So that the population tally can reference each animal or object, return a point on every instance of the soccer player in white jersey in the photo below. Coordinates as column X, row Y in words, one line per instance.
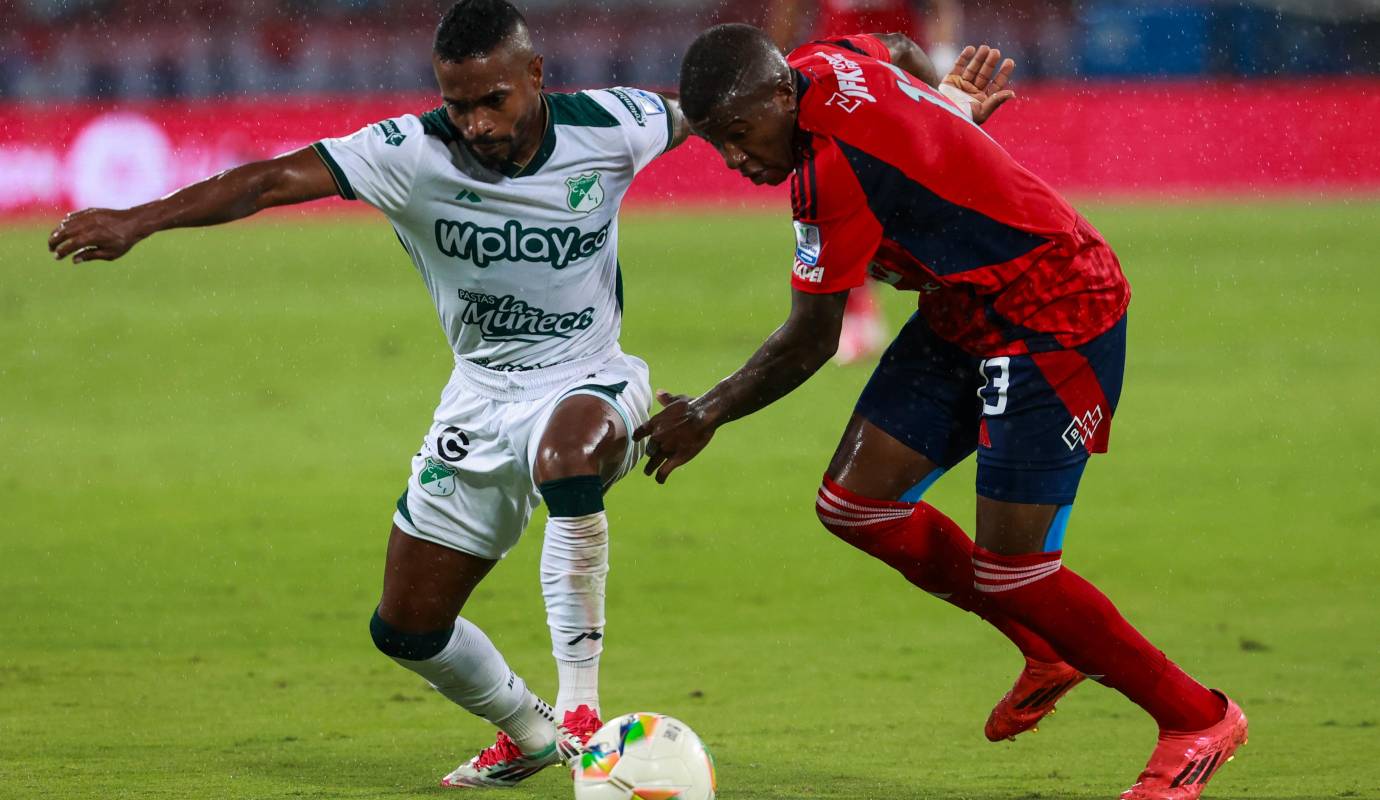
column 506, row 198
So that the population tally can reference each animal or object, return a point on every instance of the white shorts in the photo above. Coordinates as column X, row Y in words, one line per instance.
column 471, row 487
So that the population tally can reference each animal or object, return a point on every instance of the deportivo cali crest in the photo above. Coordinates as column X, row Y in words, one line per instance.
column 437, row 478
column 586, row 192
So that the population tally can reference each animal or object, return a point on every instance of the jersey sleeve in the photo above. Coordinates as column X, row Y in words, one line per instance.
column 643, row 117
column 377, row 163
column 863, row 44
column 836, row 234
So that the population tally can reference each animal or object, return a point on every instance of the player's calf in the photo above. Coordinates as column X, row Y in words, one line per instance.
column 574, row 572
column 928, row 548
column 464, row 666
column 1092, row 636
column 909, row 537
column 584, row 447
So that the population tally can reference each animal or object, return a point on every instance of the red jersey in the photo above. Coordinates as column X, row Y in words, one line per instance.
column 894, row 175
column 844, row 17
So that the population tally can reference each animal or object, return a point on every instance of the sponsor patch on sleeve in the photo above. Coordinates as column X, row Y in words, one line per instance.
column 650, row 102
column 390, row 132
column 634, row 108
column 808, row 274
column 807, row 246
column 807, row 243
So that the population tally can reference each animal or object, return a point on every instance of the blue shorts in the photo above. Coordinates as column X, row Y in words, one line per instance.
column 1033, row 418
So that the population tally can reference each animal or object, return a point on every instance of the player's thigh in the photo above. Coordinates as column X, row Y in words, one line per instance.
column 917, row 414
column 1043, row 415
column 425, row 585
column 585, row 435
column 873, row 463
column 470, row 489
column 588, row 426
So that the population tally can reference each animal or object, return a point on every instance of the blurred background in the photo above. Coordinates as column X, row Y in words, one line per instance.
column 1118, row 97
column 116, row 101
column 114, row 49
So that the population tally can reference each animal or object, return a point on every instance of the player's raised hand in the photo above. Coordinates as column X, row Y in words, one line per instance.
column 94, row 234
column 675, row 435
column 981, row 74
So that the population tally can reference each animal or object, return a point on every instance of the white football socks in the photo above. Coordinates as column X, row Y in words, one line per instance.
column 471, row 672
column 574, row 570
column 579, row 685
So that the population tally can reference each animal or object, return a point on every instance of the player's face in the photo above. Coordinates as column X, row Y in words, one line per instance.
column 755, row 136
column 494, row 102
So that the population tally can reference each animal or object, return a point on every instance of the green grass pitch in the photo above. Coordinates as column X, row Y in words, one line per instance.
column 200, row 447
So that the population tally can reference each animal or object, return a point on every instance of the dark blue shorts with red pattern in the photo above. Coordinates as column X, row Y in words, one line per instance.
column 1033, row 418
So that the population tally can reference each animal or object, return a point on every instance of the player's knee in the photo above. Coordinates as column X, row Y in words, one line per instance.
column 826, row 518
column 831, row 515
column 555, row 462
column 407, row 646
column 854, row 518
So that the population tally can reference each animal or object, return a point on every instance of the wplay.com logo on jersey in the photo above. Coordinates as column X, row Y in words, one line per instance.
column 558, row 247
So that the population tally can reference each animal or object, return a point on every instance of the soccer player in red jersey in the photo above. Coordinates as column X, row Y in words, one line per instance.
column 1016, row 352
column 864, row 333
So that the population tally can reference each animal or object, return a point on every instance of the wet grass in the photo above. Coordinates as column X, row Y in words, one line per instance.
column 200, row 447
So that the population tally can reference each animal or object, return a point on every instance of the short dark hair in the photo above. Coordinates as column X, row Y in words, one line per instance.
column 719, row 60
column 473, row 28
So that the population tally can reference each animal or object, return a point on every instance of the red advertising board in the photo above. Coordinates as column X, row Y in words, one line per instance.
column 1155, row 139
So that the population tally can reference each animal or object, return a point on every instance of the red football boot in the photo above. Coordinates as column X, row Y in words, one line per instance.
column 578, row 725
column 1183, row 762
column 1038, row 688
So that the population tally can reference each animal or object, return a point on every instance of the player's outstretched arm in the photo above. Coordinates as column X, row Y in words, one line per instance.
column 803, row 344
column 106, row 234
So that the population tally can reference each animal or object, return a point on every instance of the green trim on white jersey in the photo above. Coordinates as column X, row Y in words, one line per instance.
column 342, row 184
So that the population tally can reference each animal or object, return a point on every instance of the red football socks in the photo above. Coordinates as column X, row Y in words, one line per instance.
column 1092, row 636
column 925, row 546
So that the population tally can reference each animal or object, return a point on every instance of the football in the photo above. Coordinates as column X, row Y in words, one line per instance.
column 644, row 756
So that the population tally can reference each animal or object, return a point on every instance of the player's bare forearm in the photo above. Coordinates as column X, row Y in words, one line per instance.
column 100, row 233
column 794, row 352
column 787, row 359
column 911, row 57
column 297, row 177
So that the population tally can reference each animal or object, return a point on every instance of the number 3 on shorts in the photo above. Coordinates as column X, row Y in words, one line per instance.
column 996, row 375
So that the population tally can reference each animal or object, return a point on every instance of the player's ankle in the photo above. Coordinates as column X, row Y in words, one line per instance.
column 532, row 727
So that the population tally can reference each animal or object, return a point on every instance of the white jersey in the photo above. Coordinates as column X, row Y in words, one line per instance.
column 523, row 267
